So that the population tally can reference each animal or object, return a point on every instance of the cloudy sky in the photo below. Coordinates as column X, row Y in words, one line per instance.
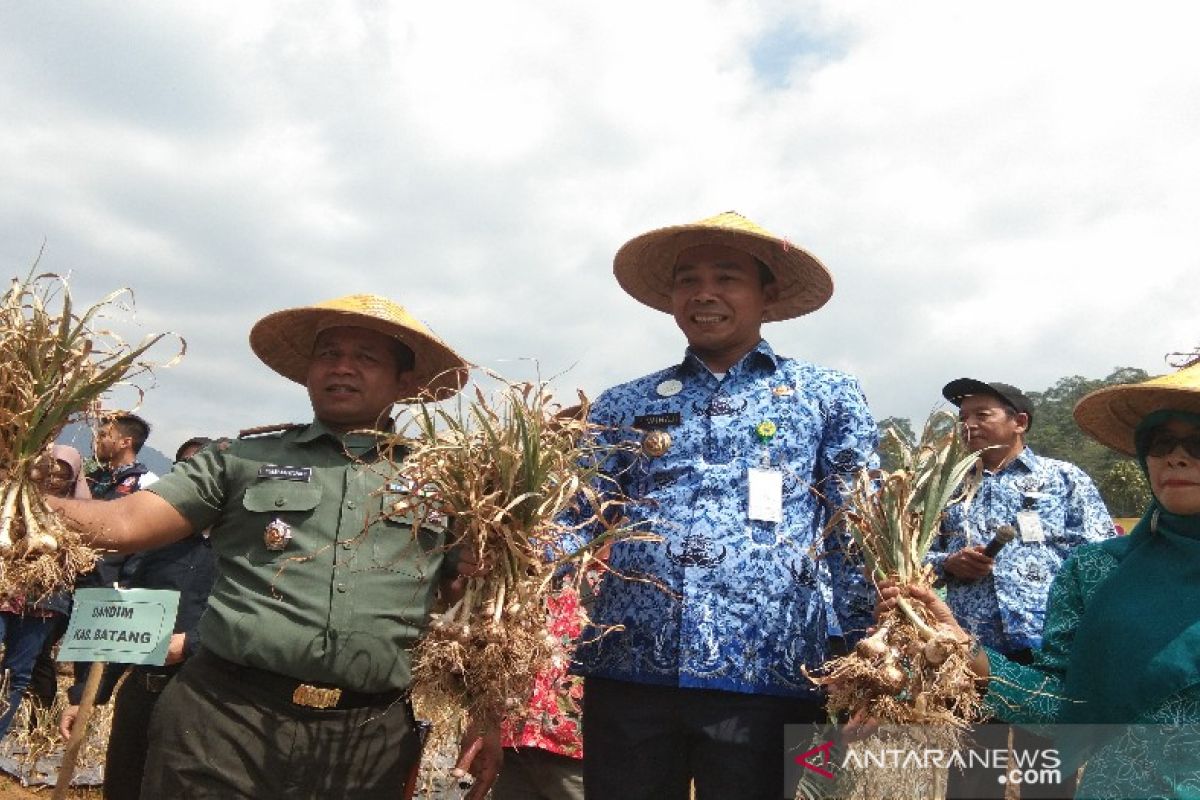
column 1001, row 190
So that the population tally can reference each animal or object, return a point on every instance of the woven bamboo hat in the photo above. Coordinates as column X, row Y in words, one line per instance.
column 1111, row 415
column 644, row 265
column 284, row 340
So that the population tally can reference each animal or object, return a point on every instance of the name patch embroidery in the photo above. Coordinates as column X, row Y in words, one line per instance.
column 657, row 420
column 276, row 472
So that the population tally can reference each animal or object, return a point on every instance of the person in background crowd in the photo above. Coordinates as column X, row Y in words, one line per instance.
column 118, row 473
column 25, row 627
column 188, row 567
column 543, row 748
column 117, row 444
column 1051, row 506
column 1117, row 665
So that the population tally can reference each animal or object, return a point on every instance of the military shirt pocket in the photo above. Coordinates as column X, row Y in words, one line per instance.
column 400, row 512
column 402, row 507
column 277, row 497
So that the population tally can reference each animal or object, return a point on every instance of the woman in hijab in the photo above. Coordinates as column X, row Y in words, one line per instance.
column 24, row 628
column 1120, row 658
column 66, row 477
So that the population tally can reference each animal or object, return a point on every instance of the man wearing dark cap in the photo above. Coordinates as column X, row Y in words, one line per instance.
column 1051, row 506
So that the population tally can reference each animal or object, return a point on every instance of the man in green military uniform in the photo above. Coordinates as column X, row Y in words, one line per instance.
column 300, row 689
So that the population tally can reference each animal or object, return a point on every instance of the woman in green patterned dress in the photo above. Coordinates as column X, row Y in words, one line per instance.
column 1120, row 657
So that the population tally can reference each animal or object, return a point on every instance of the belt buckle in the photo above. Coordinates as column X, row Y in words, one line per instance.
column 311, row 696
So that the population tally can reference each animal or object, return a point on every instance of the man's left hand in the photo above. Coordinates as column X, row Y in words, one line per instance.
column 969, row 564
column 175, row 648
column 468, row 566
column 480, row 754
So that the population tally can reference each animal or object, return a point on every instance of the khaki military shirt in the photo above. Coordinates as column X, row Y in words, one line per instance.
column 346, row 599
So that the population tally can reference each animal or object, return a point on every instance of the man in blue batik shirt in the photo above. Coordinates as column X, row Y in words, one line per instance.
column 694, row 661
column 1052, row 505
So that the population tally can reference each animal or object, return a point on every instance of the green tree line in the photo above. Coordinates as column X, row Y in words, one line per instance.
column 1054, row 434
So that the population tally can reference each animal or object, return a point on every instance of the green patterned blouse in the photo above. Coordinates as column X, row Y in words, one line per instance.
column 1158, row 757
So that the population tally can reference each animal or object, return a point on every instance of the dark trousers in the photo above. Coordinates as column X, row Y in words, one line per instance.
column 531, row 773
column 125, row 759
column 220, row 735
column 43, row 682
column 644, row 742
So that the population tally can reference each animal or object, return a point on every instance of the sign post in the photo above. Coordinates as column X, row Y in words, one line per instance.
column 124, row 626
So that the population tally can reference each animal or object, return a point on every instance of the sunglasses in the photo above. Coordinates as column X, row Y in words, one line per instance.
column 1162, row 443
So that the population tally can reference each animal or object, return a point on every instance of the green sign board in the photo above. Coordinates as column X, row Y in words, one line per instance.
column 126, row 626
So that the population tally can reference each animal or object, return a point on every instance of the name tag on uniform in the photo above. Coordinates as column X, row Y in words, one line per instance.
column 766, row 495
column 664, row 420
column 276, row 472
column 1030, row 525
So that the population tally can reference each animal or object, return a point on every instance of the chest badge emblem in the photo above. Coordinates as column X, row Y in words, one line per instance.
column 277, row 535
column 656, row 443
column 669, row 388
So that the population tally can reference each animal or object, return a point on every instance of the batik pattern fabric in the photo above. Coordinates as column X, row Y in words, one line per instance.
column 551, row 720
column 1158, row 756
column 721, row 601
column 1006, row 610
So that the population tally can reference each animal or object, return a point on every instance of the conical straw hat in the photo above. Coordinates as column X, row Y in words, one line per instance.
column 284, row 340
column 644, row 265
column 1111, row 415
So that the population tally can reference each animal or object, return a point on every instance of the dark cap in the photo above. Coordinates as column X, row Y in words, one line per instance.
column 1014, row 398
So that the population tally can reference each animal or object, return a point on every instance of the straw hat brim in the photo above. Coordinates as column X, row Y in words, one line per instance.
column 1111, row 415
column 284, row 342
column 644, row 265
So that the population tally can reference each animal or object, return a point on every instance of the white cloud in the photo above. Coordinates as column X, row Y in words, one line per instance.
column 1001, row 191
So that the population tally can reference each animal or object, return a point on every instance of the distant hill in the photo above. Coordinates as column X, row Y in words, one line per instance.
column 79, row 436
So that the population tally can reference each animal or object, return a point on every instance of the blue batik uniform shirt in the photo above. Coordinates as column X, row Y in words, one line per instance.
column 724, row 602
column 1006, row 610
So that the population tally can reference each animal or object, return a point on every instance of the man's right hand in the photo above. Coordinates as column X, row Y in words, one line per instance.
column 969, row 564
column 480, row 759
column 67, row 721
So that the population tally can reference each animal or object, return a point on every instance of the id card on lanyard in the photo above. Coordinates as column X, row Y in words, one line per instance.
column 766, row 495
